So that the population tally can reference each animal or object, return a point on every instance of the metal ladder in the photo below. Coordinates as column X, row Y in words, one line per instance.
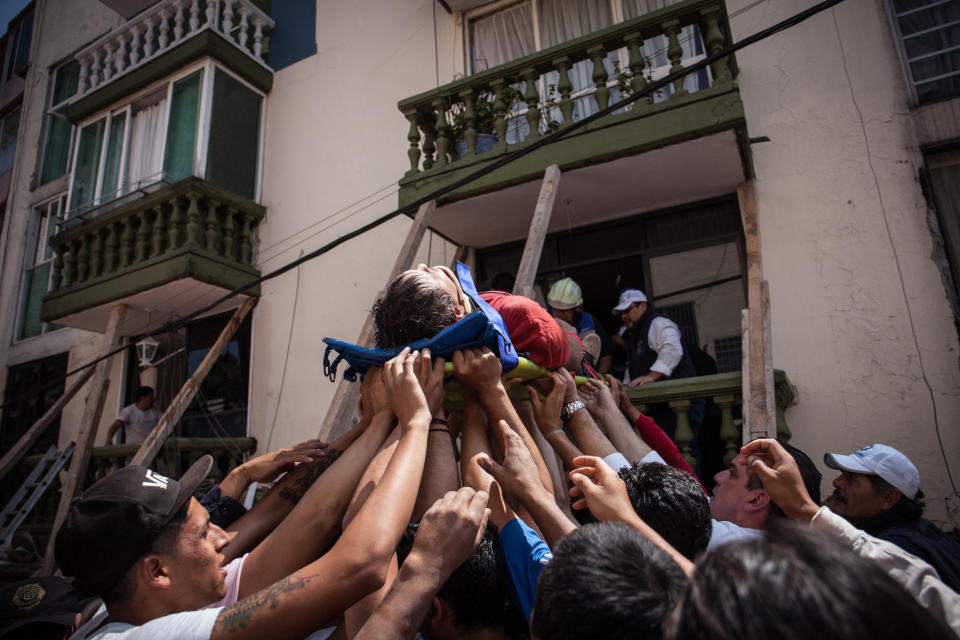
column 21, row 504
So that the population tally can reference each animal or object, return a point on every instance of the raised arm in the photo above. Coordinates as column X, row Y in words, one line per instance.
column 583, row 430
column 266, row 467
column 547, row 416
column 356, row 565
column 602, row 406
column 440, row 473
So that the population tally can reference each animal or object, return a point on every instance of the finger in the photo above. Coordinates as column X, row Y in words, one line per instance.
column 457, row 360
column 424, row 368
column 438, row 365
column 575, row 492
column 477, row 504
column 762, row 471
column 579, row 505
column 534, row 397
column 484, row 519
column 633, row 384
column 512, row 382
column 587, row 461
column 585, row 471
column 462, row 498
column 489, row 465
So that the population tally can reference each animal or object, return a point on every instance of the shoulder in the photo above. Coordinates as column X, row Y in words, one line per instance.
column 725, row 531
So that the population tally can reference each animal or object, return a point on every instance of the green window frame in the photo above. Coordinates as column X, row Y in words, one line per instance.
column 60, row 132
column 37, row 268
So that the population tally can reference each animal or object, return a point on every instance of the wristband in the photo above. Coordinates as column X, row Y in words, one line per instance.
column 571, row 408
column 438, row 429
column 439, row 421
column 553, row 433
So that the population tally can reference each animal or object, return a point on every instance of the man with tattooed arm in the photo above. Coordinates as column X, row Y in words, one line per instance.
column 143, row 543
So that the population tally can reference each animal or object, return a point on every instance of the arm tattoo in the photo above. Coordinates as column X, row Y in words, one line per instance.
column 237, row 616
column 295, row 491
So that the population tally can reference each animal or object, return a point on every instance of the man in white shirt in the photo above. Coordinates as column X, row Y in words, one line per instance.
column 652, row 341
column 136, row 420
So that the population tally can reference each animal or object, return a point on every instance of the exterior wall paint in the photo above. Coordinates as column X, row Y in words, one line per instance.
column 840, row 168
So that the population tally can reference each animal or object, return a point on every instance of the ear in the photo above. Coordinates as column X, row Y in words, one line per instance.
column 889, row 500
column 459, row 312
column 758, row 502
column 153, row 572
column 434, row 615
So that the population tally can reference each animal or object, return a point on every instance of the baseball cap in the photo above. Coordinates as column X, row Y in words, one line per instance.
column 879, row 460
column 46, row 599
column 627, row 298
column 565, row 294
column 115, row 521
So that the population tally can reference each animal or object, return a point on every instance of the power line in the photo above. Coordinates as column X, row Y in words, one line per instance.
column 503, row 161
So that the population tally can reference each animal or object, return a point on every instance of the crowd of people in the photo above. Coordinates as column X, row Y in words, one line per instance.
column 567, row 514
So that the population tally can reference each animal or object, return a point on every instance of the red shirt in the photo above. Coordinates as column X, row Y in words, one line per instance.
column 532, row 329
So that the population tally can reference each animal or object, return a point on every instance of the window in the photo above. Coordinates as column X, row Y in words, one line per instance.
column 16, row 54
column 927, row 33
column 59, row 131
column 519, row 29
column 943, row 170
column 203, row 123
column 9, row 126
column 36, row 270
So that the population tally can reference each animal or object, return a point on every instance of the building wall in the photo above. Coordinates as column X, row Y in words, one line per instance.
column 60, row 28
column 861, row 321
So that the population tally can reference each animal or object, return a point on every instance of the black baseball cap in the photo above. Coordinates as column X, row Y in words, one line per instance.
column 115, row 521
column 42, row 599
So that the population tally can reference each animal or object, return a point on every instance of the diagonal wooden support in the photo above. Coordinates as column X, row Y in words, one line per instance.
column 527, row 273
column 152, row 445
column 22, row 446
column 88, row 431
column 345, row 397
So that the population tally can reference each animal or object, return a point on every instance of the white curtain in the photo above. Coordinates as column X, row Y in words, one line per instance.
column 502, row 37
column 145, row 154
column 562, row 20
column 655, row 49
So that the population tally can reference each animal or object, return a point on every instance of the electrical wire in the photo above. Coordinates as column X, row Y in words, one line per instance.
column 286, row 357
column 503, row 161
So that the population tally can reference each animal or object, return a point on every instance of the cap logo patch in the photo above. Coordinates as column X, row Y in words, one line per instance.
column 862, row 453
column 28, row 596
column 154, row 479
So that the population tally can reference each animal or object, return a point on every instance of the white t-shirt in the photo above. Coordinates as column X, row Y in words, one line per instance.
column 234, row 569
column 137, row 423
column 187, row 625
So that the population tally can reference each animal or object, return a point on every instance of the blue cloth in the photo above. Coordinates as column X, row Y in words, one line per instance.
column 526, row 555
column 508, row 356
column 586, row 322
column 223, row 509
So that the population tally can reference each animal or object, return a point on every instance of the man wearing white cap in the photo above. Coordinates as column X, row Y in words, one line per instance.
column 878, row 490
column 652, row 341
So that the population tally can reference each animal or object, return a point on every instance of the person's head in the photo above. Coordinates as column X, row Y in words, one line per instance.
column 144, row 396
column 672, row 503
column 739, row 496
column 417, row 304
column 607, row 580
column 795, row 584
column 631, row 306
column 473, row 598
column 565, row 300
column 40, row 608
column 874, row 480
column 140, row 540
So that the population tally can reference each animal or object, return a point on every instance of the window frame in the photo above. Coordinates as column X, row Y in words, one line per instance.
column 209, row 67
column 913, row 98
column 42, row 217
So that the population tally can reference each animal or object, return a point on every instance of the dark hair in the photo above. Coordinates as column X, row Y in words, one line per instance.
column 410, row 309
column 672, row 503
column 606, row 579
column 165, row 543
column 142, row 392
column 795, row 584
column 809, row 473
column 477, row 590
column 905, row 508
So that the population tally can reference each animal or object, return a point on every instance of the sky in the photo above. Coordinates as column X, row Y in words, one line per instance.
column 9, row 9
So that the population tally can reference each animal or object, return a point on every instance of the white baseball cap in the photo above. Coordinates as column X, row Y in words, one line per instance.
column 880, row 460
column 627, row 298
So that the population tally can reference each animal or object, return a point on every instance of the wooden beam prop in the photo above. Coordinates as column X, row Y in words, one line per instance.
column 527, row 273
column 757, row 406
column 746, row 427
column 769, row 392
column 344, row 402
column 88, row 431
column 164, row 427
column 22, row 446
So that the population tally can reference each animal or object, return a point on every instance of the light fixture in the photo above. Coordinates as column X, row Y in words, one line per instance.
column 146, row 349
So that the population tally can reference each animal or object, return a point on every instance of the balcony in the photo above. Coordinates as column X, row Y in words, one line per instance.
column 172, row 251
column 165, row 38
column 689, row 143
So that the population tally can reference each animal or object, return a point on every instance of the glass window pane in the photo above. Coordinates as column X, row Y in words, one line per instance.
column 182, row 128
column 88, row 161
column 22, row 55
column 234, row 136
column 8, row 139
column 111, row 165
column 56, row 154
column 504, row 36
column 34, row 288
column 65, row 84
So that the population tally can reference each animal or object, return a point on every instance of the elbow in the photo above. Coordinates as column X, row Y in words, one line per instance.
column 370, row 575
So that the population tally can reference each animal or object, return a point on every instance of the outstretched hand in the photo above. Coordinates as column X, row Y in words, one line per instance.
column 267, row 467
column 599, row 488
column 403, row 388
column 450, row 530
column 478, row 369
column 373, row 393
column 780, row 476
column 547, row 412
column 430, row 376
column 518, row 475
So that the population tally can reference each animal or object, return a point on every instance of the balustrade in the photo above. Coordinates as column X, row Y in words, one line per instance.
column 537, row 89
column 188, row 215
column 165, row 25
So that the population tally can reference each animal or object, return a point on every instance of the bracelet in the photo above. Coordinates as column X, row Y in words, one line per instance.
column 553, row 433
column 439, row 421
column 438, row 429
column 571, row 408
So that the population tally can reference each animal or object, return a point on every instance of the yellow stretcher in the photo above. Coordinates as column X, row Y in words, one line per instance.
column 525, row 370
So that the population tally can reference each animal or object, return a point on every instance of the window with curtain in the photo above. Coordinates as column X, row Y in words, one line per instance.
column 927, row 33
column 36, row 269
